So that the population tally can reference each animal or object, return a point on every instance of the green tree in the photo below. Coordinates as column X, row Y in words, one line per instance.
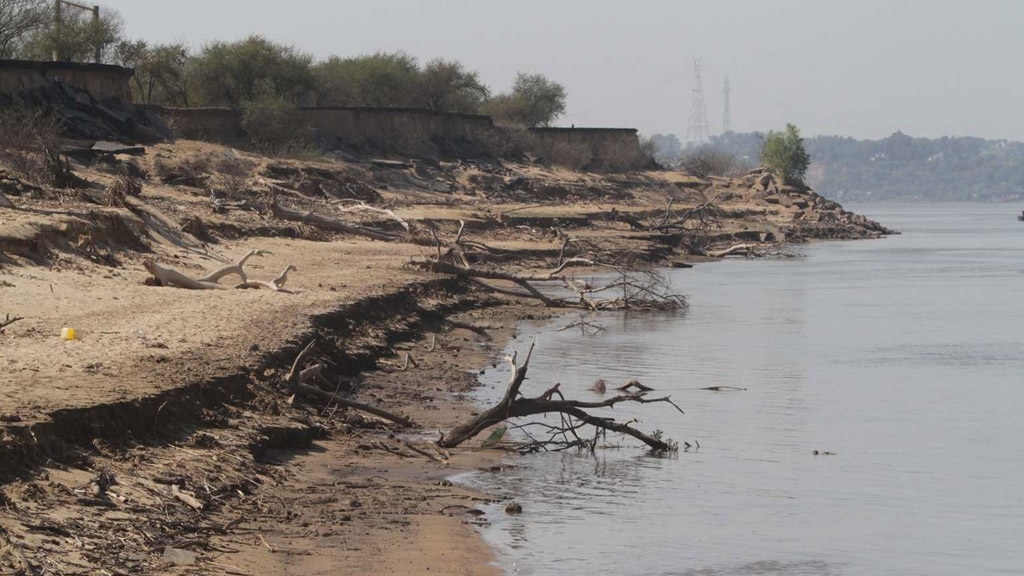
column 534, row 101
column 446, row 86
column 77, row 37
column 246, row 71
column 18, row 18
column 161, row 71
column 335, row 82
column 784, row 153
column 383, row 79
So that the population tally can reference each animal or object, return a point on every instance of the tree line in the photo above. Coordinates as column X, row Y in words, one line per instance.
column 256, row 71
column 903, row 167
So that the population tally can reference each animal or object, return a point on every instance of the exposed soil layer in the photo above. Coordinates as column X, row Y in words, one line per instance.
column 164, row 439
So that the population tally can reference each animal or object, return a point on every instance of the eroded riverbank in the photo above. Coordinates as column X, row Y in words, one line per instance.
column 166, row 437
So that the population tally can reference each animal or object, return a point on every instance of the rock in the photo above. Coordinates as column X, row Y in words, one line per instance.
column 179, row 557
column 785, row 200
column 513, row 508
column 765, row 181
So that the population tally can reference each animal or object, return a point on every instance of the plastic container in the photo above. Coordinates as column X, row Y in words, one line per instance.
column 67, row 334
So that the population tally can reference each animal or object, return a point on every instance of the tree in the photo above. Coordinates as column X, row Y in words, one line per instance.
column 246, row 71
column 784, row 153
column 161, row 71
column 18, row 18
column 382, row 79
column 335, row 82
column 534, row 101
column 446, row 86
column 78, row 37
column 667, row 148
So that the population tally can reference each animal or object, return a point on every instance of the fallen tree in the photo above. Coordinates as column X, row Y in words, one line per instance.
column 301, row 381
column 638, row 288
column 171, row 277
column 574, row 415
column 321, row 221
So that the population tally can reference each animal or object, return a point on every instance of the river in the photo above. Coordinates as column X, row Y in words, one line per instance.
column 903, row 356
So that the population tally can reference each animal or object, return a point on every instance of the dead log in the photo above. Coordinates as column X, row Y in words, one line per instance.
column 514, row 405
column 235, row 268
column 171, row 277
column 321, row 221
column 634, row 384
column 295, row 382
column 744, row 249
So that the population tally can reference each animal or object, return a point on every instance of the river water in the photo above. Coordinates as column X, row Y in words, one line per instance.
column 903, row 356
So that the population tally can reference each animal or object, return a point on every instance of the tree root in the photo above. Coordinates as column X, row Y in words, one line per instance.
column 515, row 405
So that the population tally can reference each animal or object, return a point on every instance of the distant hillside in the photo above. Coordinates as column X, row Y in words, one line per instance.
column 903, row 167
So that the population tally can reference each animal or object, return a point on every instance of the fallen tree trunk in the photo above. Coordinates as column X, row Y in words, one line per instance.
column 296, row 382
column 171, row 277
column 514, row 405
column 321, row 221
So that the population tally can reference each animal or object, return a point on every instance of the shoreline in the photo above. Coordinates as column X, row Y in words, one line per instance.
column 167, row 435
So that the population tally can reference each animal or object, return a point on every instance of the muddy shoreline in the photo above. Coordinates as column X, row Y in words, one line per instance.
column 297, row 489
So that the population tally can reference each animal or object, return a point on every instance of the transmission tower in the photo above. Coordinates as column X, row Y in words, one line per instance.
column 699, row 131
column 726, row 109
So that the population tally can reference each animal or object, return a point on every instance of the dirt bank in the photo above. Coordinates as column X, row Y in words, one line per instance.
column 166, row 438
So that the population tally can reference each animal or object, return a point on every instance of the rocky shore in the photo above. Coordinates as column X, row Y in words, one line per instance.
column 168, row 438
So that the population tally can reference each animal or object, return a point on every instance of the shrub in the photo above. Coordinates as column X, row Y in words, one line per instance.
column 23, row 136
column 784, row 153
column 705, row 161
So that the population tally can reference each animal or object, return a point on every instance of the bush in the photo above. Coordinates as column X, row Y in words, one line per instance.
column 784, row 153
column 705, row 161
column 25, row 138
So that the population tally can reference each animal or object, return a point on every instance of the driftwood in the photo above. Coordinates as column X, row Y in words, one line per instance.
column 515, row 405
column 640, row 289
column 235, row 268
column 171, row 277
column 321, row 221
column 735, row 249
column 296, row 382
column 361, row 206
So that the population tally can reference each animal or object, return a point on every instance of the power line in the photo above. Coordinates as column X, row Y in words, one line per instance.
column 699, row 130
column 727, row 108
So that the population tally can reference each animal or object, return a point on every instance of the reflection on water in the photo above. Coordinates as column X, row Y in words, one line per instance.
column 903, row 356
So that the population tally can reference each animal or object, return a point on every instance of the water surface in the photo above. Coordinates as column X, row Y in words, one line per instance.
column 904, row 356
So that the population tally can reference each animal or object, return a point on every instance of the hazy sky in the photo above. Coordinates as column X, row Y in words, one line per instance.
column 858, row 68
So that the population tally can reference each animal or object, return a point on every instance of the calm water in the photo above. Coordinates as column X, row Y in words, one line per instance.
column 904, row 356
